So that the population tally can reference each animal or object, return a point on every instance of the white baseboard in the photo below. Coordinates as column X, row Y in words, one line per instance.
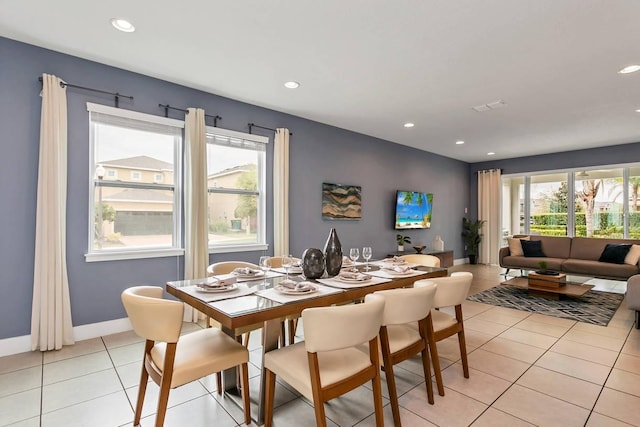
column 15, row 345
column 461, row 261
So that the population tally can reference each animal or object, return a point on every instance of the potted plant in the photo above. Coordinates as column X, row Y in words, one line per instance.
column 472, row 237
column 543, row 269
column 401, row 241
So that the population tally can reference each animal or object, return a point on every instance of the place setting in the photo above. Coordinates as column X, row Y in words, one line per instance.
column 288, row 290
column 394, row 270
column 217, row 288
column 348, row 279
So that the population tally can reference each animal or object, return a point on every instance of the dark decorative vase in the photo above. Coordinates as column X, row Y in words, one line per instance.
column 312, row 263
column 333, row 254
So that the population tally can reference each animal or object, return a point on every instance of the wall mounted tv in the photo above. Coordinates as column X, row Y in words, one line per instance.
column 413, row 210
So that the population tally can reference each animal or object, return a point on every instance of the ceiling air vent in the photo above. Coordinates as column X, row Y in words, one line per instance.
column 490, row 106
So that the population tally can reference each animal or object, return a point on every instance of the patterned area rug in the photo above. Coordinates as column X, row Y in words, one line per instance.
column 594, row 307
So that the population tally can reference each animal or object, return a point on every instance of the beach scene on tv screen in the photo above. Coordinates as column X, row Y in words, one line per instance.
column 413, row 210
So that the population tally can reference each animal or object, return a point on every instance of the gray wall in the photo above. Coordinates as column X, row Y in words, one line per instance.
column 612, row 155
column 318, row 153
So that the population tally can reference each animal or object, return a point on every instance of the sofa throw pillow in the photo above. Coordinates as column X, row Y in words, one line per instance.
column 614, row 254
column 515, row 247
column 633, row 256
column 532, row 248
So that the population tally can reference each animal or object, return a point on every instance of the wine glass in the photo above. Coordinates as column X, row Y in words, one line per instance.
column 287, row 262
column 354, row 254
column 366, row 254
column 265, row 265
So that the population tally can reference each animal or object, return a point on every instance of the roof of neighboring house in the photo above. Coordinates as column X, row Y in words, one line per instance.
column 140, row 195
column 140, row 162
column 228, row 171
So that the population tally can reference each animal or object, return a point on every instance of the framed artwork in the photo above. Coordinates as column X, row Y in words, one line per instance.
column 341, row 201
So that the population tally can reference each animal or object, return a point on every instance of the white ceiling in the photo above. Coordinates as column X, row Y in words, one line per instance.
column 372, row 65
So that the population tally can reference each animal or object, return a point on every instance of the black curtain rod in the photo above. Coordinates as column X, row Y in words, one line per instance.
column 116, row 94
column 168, row 107
column 253, row 125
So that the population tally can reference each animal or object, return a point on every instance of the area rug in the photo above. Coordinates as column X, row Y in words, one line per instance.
column 594, row 307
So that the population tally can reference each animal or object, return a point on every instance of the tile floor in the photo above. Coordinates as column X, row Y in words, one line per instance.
column 526, row 369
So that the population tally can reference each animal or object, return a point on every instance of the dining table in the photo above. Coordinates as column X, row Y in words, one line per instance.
column 261, row 300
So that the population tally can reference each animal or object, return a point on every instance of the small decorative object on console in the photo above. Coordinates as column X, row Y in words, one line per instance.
column 419, row 248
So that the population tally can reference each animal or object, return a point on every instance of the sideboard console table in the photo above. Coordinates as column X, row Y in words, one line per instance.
column 446, row 257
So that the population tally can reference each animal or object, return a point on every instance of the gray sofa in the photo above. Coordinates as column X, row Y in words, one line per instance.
column 572, row 255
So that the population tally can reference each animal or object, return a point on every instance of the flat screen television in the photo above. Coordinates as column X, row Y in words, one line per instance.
column 413, row 210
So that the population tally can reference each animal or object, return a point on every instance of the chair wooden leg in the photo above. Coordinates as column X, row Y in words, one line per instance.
column 377, row 399
column 245, row 338
column 207, row 322
column 218, row 382
column 144, row 378
column 433, row 349
column 270, row 389
column 292, row 324
column 391, row 380
column 426, row 366
column 283, row 334
column 463, row 353
column 245, row 393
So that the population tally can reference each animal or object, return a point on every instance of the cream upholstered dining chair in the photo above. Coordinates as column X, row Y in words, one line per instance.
column 172, row 360
column 452, row 292
column 292, row 321
column 399, row 341
column 276, row 261
column 328, row 363
column 422, row 259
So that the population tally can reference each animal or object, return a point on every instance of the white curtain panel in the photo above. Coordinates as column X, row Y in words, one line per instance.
column 51, row 326
column 281, row 192
column 196, row 241
column 489, row 211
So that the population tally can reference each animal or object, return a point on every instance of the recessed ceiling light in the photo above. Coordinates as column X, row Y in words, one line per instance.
column 629, row 69
column 459, row 142
column 638, row 110
column 123, row 25
column 491, row 153
column 292, row 85
column 409, row 125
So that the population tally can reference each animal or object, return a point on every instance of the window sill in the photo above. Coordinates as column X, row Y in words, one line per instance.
column 239, row 248
column 134, row 254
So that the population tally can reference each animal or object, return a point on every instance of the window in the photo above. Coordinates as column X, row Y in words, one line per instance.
column 236, row 186
column 138, row 215
column 157, row 177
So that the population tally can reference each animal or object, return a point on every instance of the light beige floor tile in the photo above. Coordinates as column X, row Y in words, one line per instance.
column 560, row 386
column 585, row 352
column 540, row 409
column 78, row 349
column 479, row 386
column 454, row 409
column 624, row 381
column 628, row 363
column 127, row 354
column 20, row 361
column 77, row 390
column 474, row 339
column 76, row 367
column 515, row 350
column 414, row 365
column 121, row 338
column 472, row 308
column 22, row 380
column 19, row 406
column 296, row 413
column 199, row 412
column 620, row 406
column 177, row 396
column 609, row 343
column 555, row 331
column 621, row 323
column 498, row 317
column 129, row 374
column 571, row 366
column 601, row 330
column 632, row 346
column 558, row 321
column 450, row 348
column 407, row 417
column 31, row 422
column 484, row 326
column 511, row 312
column 599, row 420
column 495, row 418
column 530, row 338
column 405, row 381
column 497, row 365
column 104, row 411
column 350, row 408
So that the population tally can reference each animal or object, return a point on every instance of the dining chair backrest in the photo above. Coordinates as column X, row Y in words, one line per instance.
column 276, row 261
column 407, row 305
column 151, row 316
column 422, row 259
column 226, row 267
column 343, row 326
column 452, row 290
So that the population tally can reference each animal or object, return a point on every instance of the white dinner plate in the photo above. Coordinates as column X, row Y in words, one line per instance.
column 248, row 276
column 350, row 280
column 397, row 273
column 288, row 291
column 213, row 290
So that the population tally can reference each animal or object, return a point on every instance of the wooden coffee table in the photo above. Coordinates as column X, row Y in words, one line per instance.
column 550, row 292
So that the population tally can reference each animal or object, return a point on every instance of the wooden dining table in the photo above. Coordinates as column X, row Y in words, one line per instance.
column 238, row 312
